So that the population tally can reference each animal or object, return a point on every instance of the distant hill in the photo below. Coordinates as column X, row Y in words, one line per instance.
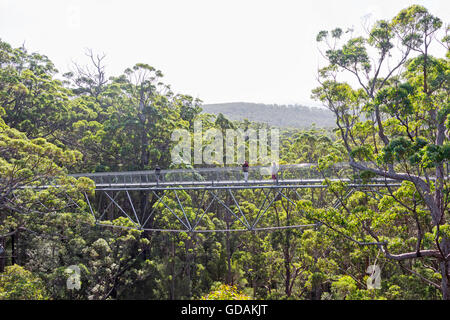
column 295, row 116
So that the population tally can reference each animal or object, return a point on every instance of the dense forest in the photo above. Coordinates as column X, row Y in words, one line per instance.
column 393, row 123
column 293, row 116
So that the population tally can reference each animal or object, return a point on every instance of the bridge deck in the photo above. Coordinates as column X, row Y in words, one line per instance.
column 251, row 184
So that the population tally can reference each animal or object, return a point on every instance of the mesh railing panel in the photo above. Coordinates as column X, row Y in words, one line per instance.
column 303, row 171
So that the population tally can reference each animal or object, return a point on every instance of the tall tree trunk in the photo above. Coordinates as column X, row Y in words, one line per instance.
column 226, row 216
column 2, row 255
column 287, row 280
column 189, row 245
column 228, row 248
column 13, row 249
column 445, row 269
column 172, row 282
column 445, row 284
column 287, row 262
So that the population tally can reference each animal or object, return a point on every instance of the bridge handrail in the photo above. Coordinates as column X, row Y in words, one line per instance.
column 293, row 171
column 203, row 169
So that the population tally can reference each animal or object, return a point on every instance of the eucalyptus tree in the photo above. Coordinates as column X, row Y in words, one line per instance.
column 89, row 80
column 34, row 102
column 393, row 123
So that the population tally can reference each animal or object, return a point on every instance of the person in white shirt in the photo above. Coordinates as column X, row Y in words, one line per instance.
column 274, row 171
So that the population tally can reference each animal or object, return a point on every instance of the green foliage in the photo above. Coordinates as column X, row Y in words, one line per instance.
column 390, row 123
column 344, row 288
column 393, row 123
column 16, row 283
column 225, row 292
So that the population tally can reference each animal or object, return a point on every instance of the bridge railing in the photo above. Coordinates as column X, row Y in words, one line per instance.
column 303, row 171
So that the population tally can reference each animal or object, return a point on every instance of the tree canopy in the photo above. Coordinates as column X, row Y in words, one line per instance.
column 392, row 121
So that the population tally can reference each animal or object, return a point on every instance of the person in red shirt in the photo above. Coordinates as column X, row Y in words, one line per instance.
column 245, row 170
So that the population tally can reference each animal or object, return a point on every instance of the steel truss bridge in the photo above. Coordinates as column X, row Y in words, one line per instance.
column 178, row 200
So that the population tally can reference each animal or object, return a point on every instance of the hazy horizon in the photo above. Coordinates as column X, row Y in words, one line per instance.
column 246, row 51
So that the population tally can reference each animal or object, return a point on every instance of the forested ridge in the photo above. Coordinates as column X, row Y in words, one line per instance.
column 292, row 116
column 394, row 123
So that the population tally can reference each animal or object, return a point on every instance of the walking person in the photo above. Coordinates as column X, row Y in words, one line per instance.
column 245, row 170
column 157, row 174
column 274, row 171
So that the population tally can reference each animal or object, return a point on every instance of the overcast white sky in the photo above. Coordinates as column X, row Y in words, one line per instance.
column 218, row 51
